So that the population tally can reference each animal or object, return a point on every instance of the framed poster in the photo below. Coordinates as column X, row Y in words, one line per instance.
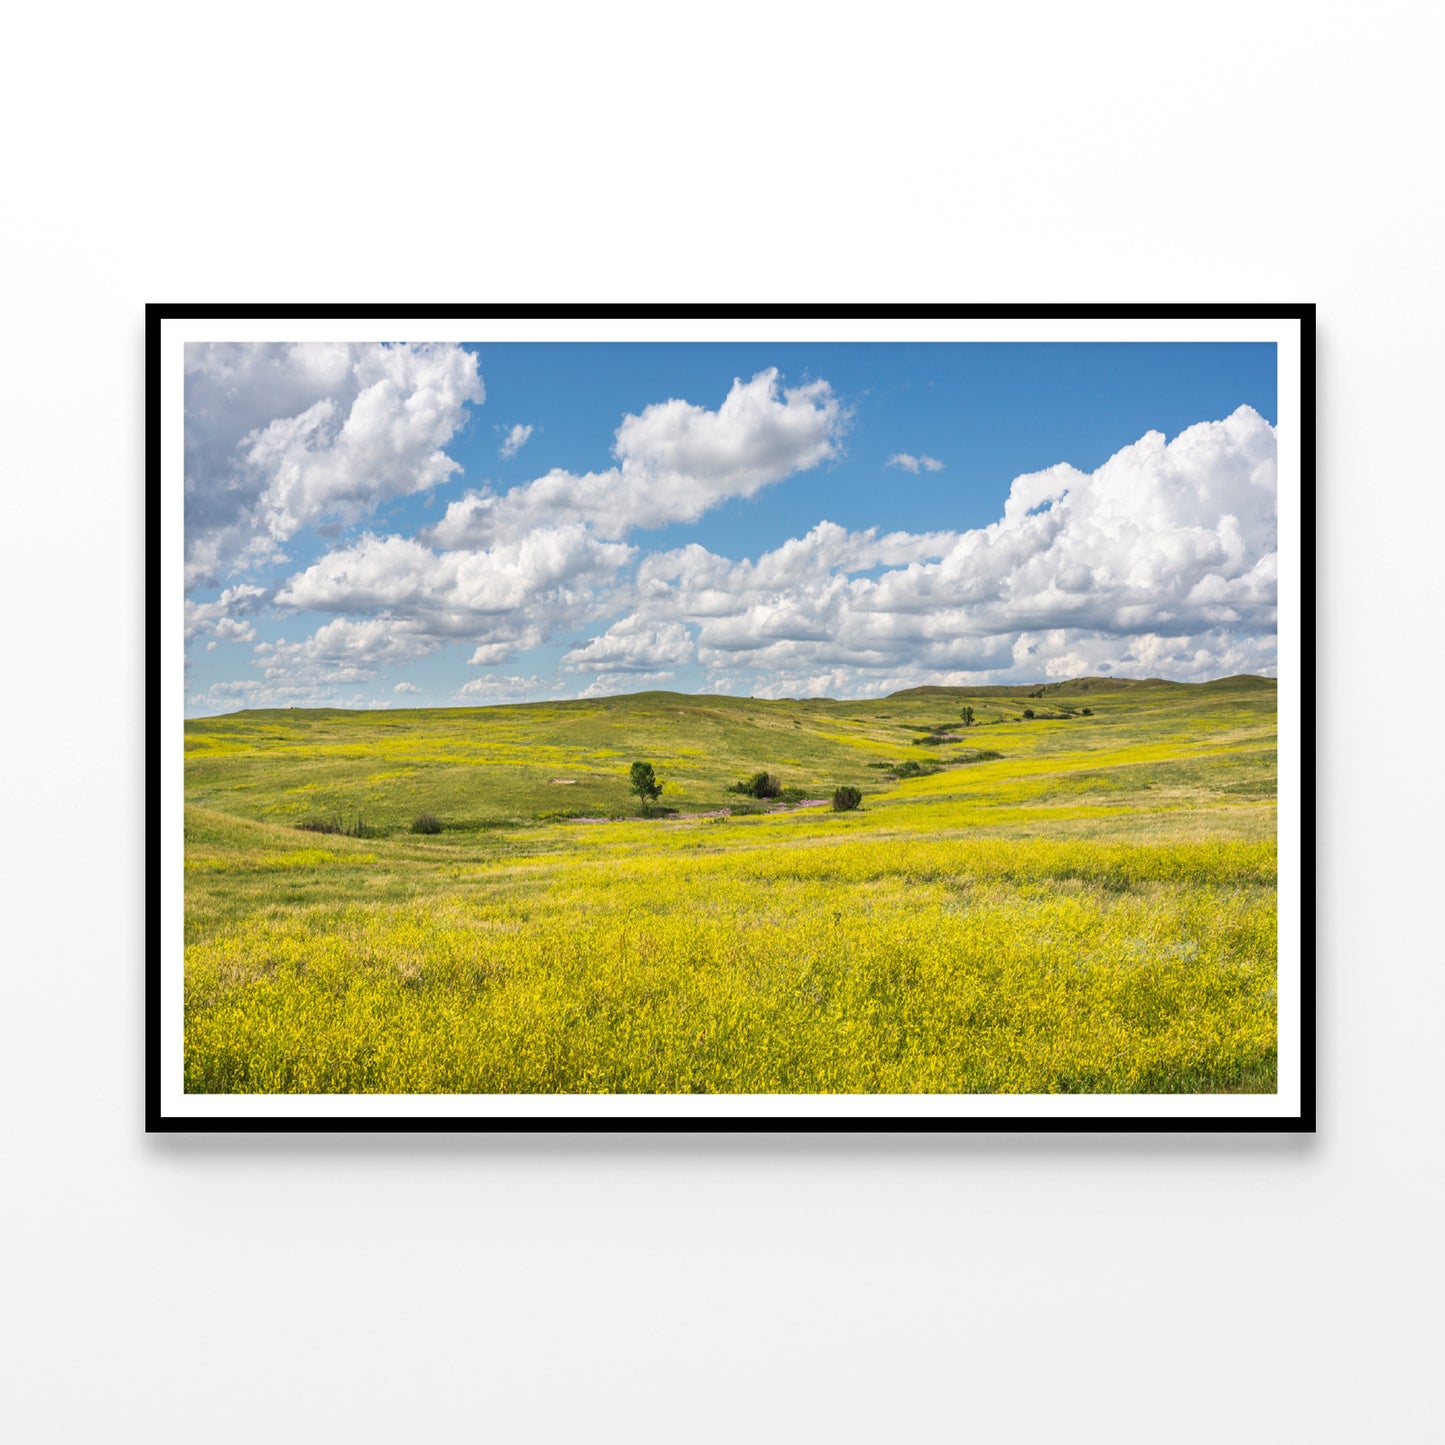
column 703, row 717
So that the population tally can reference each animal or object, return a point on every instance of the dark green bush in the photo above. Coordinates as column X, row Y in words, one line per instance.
column 760, row 785
column 426, row 823
column 911, row 769
column 845, row 799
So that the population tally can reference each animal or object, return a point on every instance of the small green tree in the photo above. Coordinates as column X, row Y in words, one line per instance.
column 645, row 784
column 967, row 716
column 1028, row 712
column 845, row 799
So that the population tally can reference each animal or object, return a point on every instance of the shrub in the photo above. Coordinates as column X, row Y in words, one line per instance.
column 845, row 799
column 1028, row 712
column 760, row 785
column 1086, row 712
column 426, row 823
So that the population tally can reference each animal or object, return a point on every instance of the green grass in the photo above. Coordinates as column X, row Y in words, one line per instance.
column 1089, row 906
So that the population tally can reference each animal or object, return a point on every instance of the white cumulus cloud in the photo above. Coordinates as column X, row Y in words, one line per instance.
column 502, row 600
column 514, row 441
column 221, row 618
column 675, row 461
column 491, row 689
column 343, row 650
column 1163, row 558
column 632, row 646
column 403, row 576
column 279, row 437
column 910, row 463
column 611, row 684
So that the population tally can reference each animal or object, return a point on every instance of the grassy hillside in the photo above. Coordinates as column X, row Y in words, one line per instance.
column 481, row 767
column 1066, row 902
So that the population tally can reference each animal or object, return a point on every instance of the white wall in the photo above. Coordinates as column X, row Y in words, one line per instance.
column 1030, row 1289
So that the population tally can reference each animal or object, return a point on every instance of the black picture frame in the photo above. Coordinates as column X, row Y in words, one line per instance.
column 162, row 930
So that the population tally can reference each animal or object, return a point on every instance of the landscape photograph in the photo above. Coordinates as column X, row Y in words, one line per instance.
column 717, row 717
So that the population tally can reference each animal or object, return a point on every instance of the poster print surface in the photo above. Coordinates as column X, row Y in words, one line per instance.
column 681, row 718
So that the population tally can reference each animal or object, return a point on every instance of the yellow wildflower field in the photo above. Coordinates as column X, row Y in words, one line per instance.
column 1065, row 903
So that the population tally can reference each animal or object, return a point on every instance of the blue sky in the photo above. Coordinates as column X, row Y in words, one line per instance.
column 392, row 525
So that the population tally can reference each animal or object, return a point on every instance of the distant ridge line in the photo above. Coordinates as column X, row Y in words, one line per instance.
column 1077, row 686
column 1084, row 685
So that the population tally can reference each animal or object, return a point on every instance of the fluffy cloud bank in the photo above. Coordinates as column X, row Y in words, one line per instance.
column 507, row 573
column 281, row 437
column 221, row 618
column 1161, row 561
column 1163, row 558
column 504, row 598
column 632, row 646
column 675, row 461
